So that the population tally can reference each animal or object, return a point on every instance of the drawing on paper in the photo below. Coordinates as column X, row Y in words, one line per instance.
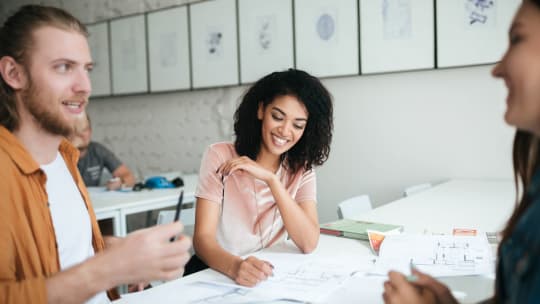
column 480, row 12
column 214, row 43
column 397, row 19
column 441, row 255
column 326, row 26
column 293, row 280
column 309, row 275
column 455, row 253
column 265, row 32
column 233, row 294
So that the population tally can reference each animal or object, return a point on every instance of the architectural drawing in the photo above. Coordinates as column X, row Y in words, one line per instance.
column 266, row 31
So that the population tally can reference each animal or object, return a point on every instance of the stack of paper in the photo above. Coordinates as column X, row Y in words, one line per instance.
column 297, row 278
column 356, row 229
column 437, row 255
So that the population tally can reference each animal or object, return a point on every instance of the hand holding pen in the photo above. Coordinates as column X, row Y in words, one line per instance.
column 251, row 271
column 178, row 211
column 416, row 288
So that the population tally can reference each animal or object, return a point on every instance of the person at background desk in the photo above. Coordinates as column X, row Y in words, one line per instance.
column 518, row 270
column 51, row 249
column 94, row 157
column 253, row 192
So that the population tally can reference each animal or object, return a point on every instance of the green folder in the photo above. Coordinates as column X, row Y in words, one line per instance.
column 356, row 229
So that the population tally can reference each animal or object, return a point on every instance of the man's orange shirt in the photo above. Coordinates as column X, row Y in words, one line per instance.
column 28, row 252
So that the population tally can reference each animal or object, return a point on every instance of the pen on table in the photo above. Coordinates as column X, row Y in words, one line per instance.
column 178, row 210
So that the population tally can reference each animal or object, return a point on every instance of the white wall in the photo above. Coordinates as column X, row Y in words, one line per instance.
column 396, row 130
column 391, row 130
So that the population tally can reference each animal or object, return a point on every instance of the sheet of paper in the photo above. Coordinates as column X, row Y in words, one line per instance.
column 300, row 277
column 437, row 255
column 196, row 293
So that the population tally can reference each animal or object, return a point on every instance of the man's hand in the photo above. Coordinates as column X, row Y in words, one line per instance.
column 114, row 183
column 148, row 255
column 424, row 290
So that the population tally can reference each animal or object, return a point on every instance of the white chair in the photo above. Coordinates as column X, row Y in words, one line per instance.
column 354, row 206
column 415, row 189
column 165, row 217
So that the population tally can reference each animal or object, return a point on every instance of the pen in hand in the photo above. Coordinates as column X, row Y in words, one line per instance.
column 412, row 277
column 178, row 211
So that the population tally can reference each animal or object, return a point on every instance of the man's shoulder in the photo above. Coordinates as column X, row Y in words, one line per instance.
column 10, row 172
column 5, row 160
column 97, row 146
column 97, row 149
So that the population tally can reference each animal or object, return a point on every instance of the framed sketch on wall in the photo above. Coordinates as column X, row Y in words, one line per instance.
column 396, row 35
column 326, row 34
column 214, row 43
column 128, row 49
column 472, row 31
column 266, row 40
column 168, row 50
column 98, row 40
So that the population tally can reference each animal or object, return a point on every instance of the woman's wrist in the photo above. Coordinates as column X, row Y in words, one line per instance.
column 273, row 180
column 232, row 271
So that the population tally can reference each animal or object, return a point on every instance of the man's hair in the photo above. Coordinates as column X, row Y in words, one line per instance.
column 16, row 41
column 313, row 147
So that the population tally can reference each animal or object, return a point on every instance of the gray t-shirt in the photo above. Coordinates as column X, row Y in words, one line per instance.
column 91, row 165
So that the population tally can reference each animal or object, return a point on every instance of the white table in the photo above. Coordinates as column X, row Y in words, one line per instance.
column 484, row 205
column 117, row 205
column 488, row 204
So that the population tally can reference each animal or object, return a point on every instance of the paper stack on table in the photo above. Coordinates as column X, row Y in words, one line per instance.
column 437, row 255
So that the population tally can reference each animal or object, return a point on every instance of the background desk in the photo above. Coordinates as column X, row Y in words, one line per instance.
column 117, row 205
column 468, row 203
column 485, row 205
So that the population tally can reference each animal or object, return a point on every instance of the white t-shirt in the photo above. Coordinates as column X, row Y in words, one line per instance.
column 70, row 218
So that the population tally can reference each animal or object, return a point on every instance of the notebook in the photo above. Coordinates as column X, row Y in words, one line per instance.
column 356, row 229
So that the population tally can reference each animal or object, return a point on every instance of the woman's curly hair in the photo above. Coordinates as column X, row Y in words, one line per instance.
column 313, row 147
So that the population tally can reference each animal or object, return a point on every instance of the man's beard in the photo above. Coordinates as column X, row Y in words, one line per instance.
column 49, row 120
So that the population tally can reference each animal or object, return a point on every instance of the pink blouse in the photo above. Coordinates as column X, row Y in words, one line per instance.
column 250, row 219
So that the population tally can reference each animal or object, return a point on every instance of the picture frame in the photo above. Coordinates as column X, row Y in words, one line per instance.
column 396, row 35
column 168, row 50
column 326, row 37
column 128, row 55
column 100, row 76
column 471, row 32
column 214, row 45
column 266, row 38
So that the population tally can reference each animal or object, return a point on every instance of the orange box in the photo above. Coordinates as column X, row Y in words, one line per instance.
column 464, row 232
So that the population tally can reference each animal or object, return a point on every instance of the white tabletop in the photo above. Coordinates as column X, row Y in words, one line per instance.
column 117, row 205
column 485, row 205
column 103, row 200
column 480, row 204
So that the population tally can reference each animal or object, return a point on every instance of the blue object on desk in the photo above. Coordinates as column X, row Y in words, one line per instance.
column 158, row 182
